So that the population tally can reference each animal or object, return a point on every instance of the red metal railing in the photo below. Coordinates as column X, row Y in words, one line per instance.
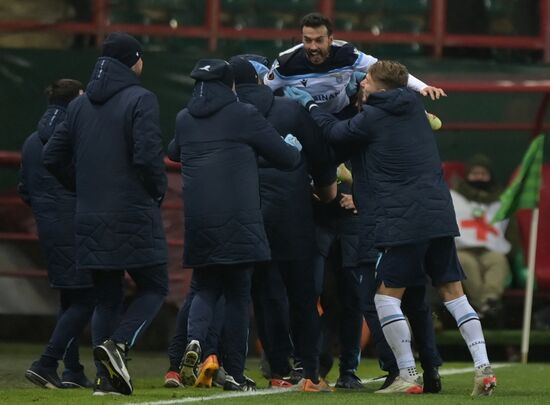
column 437, row 37
column 502, row 86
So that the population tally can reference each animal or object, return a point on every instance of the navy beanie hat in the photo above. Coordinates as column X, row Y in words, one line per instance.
column 243, row 70
column 213, row 69
column 122, row 47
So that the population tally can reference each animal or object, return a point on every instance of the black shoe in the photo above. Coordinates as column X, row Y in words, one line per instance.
column 232, row 385
column 114, row 359
column 390, row 378
column 349, row 381
column 190, row 363
column 103, row 386
column 45, row 377
column 219, row 378
column 432, row 380
column 296, row 375
column 75, row 379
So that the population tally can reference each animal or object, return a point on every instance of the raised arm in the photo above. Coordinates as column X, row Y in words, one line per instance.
column 339, row 132
column 267, row 142
column 426, row 90
column 364, row 61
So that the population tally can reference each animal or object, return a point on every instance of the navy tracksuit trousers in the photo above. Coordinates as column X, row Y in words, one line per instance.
column 76, row 308
column 296, row 312
column 234, row 283
column 107, row 323
column 177, row 346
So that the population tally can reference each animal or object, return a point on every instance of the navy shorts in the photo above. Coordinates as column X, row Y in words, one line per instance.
column 408, row 265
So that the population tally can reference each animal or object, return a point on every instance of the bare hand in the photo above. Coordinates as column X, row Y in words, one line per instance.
column 347, row 203
column 433, row 92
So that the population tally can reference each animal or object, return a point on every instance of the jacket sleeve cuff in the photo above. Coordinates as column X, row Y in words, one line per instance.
column 310, row 104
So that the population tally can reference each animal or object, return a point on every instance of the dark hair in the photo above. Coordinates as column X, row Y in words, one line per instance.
column 62, row 91
column 316, row 20
column 389, row 73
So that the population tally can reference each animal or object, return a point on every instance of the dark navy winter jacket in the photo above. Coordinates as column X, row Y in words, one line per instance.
column 286, row 195
column 53, row 206
column 112, row 136
column 398, row 166
column 337, row 226
column 217, row 141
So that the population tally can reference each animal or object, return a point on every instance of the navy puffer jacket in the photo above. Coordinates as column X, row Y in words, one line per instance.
column 112, row 137
column 399, row 167
column 218, row 140
column 53, row 206
column 286, row 195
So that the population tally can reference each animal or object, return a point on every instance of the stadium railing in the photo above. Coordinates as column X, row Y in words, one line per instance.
column 212, row 29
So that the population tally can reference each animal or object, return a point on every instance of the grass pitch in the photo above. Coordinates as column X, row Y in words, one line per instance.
column 517, row 385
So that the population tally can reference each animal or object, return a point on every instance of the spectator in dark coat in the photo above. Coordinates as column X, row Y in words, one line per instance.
column 288, row 218
column 217, row 141
column 53, row 208
column 112, row 137
column 415, row 222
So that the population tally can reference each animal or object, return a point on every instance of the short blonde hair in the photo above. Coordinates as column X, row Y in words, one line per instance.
column 389, row 73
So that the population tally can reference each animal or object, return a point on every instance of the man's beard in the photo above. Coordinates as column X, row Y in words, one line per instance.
column 318, row 55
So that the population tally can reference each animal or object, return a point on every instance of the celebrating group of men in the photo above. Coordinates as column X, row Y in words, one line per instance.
column 264, row 213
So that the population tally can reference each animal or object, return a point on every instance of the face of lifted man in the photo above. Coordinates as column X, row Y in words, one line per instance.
column 317, row 43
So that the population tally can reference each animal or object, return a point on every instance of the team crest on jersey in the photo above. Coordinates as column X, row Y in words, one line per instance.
column 304, row 82
column 339, row 79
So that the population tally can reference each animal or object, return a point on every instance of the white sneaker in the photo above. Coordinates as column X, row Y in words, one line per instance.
column 404, row 386
column 484, row 382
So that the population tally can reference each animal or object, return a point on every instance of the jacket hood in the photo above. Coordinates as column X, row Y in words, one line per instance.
column 259, row 95
column 395, row 102
column 209, row 97
column 47, row 123
column 108, row 78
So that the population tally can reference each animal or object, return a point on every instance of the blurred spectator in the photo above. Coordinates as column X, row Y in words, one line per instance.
column 483, row 247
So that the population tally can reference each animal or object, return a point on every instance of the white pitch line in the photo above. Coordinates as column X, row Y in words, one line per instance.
column 213, row 397
column 444, row 372
column 448, row 371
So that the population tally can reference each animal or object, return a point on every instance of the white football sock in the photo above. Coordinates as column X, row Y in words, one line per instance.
column 470, row 328
column 397, row 333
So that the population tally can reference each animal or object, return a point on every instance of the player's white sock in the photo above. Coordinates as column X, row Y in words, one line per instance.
column 397, row 333
column 470, row 328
